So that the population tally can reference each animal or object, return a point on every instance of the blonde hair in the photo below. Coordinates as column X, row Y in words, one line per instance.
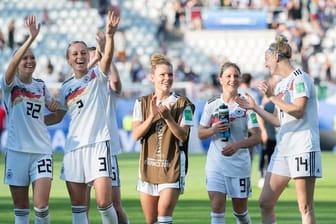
column 159, row 59
column 281, row 47
column 72, row 43
column 226, row 65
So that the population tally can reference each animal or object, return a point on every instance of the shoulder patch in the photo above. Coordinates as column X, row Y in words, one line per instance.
column 213, row 98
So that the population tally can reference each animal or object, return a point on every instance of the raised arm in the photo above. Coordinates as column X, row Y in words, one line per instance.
column 115, row 83
column 33, row 31
column 113, row 18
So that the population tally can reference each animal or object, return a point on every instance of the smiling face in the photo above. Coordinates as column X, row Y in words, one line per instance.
column 162, row 78
column 230, row 79
column 27, row 64
column 78, row 57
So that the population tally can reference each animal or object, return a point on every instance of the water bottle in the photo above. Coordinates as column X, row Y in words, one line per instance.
column 223, row 115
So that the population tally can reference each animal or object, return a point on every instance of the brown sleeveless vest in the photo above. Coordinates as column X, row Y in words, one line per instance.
column 160, row 154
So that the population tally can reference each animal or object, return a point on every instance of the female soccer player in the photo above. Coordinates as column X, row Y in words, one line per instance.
column 297, row 153
column 161, row 121
column 87, row 150
column 228, row 165
column 28, row 147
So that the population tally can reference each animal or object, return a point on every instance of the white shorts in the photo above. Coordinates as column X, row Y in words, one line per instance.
column 233, row 187
column 115, row 172
column 307, row 164
column 87, row 163
column 23, row 169
column 154, row 189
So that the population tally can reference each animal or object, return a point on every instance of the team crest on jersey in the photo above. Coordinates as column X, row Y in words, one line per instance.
column 238, row 113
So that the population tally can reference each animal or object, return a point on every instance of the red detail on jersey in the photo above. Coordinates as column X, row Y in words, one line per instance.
column 291, row 86
column 93, row 75
column 75, row 94
column 19, row 92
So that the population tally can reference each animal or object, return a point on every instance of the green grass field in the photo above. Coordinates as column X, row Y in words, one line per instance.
column 193, row 207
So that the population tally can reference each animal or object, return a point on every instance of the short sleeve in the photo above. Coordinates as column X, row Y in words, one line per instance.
column 300, row 87
column 187, row 118
column 137, row 112
column 252, row 121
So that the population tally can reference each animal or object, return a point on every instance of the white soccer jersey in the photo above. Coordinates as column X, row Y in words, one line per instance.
column 25, row 105
column 86, row 101
column 137, row 112
column 112, row 122
column 298, row 135
column 239, row 164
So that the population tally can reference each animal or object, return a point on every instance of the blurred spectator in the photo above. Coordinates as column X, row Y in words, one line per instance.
column 214, row 4
column 247, row 87
column 294, row 9
column 213, row 74
column 315, row 67
column 50, row 77
column 195, row 7
column 136, row 70
column 313, row 9
column 191, row 76
column 327, row 13
column 327, row 68
column 102, row 11
column 45, row 19
column 226, row 3
column 180, row 70
column 161, row 32
column 11, row 34
column 120, row 45
column 241, row 4
column 179, row 14
column 2, row 40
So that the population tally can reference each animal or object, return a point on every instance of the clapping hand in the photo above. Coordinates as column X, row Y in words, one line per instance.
column 265, row 88
column 246, row 102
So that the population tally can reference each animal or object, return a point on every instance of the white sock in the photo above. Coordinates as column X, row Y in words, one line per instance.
column 243, row 218
column 108, row 215
column 217, row 218
column 21, row 216
column 79, row 215
column 42, row 215
column 165, row 220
